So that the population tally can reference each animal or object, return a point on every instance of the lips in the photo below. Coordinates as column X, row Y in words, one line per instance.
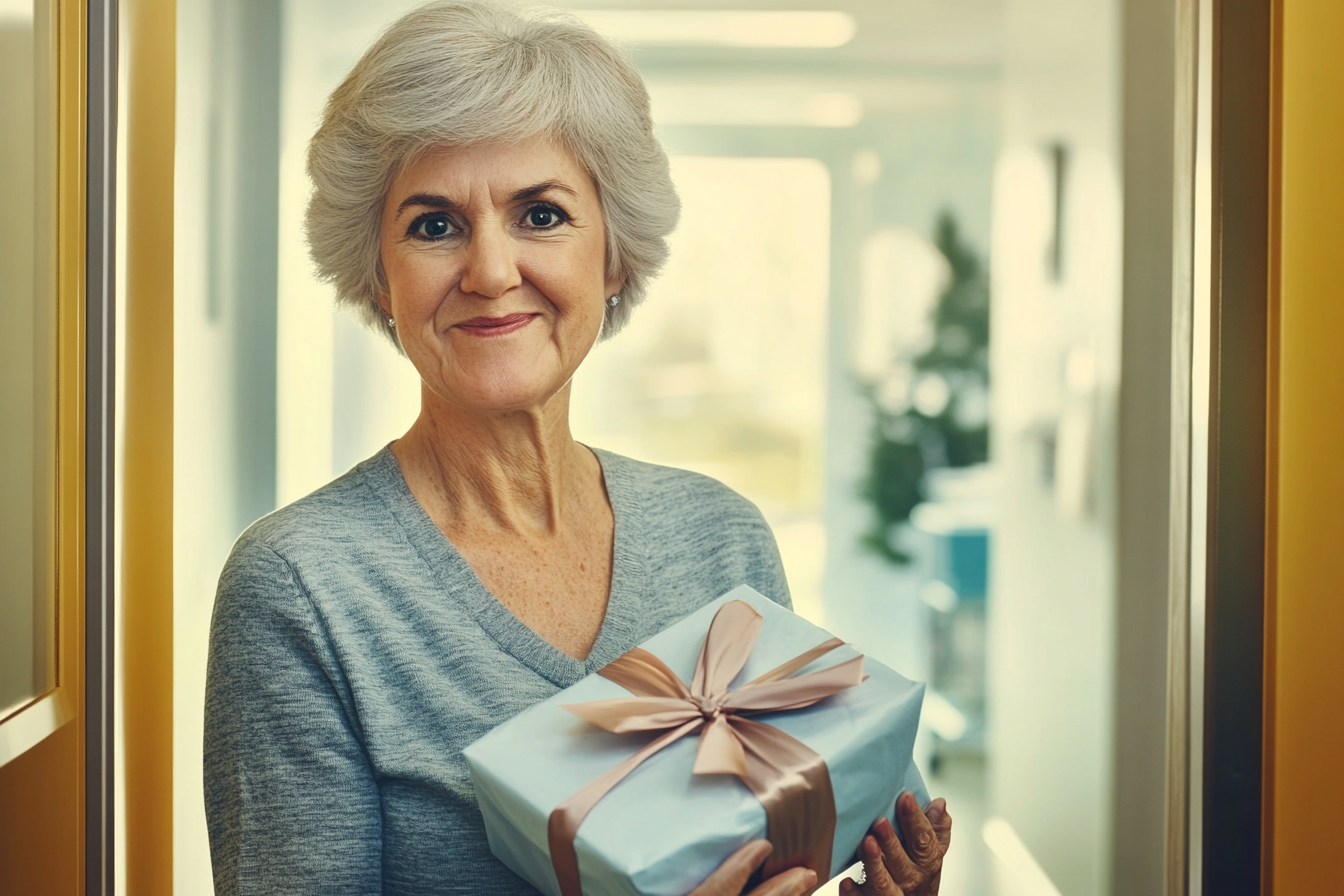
column 495, row 326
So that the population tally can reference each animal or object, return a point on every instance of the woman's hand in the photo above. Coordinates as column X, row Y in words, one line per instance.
column 736, row 870
column 915, row 869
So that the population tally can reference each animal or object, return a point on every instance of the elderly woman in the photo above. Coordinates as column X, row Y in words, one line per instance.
column 488, row 195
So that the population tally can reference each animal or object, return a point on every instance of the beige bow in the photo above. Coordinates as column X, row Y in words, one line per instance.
column 788, row 777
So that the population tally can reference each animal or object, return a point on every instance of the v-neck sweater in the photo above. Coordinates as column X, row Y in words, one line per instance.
column 354, row 653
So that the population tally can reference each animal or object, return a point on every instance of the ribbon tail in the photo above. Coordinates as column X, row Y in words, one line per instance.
column 793, row 784
column 798, row 691
column 784, row 670
column 626, row 714
column 565, row 818
column 719, row 752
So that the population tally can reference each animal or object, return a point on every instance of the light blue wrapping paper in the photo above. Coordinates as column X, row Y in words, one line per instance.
column 663, row 830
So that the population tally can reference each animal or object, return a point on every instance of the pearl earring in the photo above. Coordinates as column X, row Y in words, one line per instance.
column 613, row 301
column 391, row 322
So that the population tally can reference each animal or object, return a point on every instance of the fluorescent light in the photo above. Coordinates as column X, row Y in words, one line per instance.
column 722, row 28
column 753, row 106
column 1027, row 877
column 946, row 720
column 22, row 10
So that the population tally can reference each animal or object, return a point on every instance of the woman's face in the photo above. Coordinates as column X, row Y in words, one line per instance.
column 495, row 257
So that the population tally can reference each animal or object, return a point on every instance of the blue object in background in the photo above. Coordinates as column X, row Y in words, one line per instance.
column 963, row 562
column 957, row 533
column 960, row 536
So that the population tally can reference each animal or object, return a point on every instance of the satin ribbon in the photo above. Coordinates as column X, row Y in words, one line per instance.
column 787, row 776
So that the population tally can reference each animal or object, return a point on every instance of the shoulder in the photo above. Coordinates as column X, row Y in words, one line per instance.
column 680, row 496
column 328, row 534
column 694, row 529
column 345, row 508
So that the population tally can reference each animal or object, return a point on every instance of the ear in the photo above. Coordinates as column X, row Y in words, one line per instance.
column 384, row 302
column 613, row 285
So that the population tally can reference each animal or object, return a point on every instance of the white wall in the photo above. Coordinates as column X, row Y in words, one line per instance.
column 203, row 480
column 1055, row 372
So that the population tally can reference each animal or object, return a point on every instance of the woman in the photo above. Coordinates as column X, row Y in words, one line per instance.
column 489, row 195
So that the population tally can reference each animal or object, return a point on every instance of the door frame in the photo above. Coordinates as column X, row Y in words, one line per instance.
column 100, row 460
column 1225, row 291
column 23, row 730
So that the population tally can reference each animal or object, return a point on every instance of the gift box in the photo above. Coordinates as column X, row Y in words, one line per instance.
column 662, row 828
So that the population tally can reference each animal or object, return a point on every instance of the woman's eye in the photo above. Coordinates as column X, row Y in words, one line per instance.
column 432, row 227
column 542, row 217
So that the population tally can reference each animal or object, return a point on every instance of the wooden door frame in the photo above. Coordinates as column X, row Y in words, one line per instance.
column 100, row 315
column 82, row 36
column 149, row 46
column 62, row 25
column 1220, row 598
column 1303, row 781
column 1242, row 292
column 1219, row 585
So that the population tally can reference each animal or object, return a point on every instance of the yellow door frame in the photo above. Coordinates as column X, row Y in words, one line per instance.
column 50, row 711
column 149, row 34
column 1304, row 631
column 42, row 781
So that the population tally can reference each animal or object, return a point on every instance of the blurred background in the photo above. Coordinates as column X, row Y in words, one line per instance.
column 892, row 318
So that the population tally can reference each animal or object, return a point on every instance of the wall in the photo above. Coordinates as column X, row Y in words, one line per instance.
column 1055, row 373
column 1144, row 447
column 226, row 204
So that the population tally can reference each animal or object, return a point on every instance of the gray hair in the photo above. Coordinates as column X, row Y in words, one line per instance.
column 458, row 72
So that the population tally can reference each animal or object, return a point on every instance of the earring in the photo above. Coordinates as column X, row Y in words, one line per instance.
column 391, row 322
column 613, row 301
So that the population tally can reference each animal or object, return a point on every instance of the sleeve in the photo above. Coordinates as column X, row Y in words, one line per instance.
column 769, row 567
column 744, row 545
column 291, row 802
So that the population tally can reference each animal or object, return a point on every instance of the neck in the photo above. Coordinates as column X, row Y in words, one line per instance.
column 520, row 471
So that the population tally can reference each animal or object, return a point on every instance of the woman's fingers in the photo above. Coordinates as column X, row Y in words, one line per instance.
column 911, row 869
column 884, row 859
column 890, row 868
column 877, row 880
column 922, row 843
column 794, row 882
column 941, row 821
column 733, row 874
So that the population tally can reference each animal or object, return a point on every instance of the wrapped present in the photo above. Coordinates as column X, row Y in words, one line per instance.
column 740, row 721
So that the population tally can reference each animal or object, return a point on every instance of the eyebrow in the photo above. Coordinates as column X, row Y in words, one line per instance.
column 433, row 200
column 429, row 200
column 536, row 190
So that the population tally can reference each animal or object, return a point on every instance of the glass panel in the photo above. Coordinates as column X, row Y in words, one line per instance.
column 859, row 203
column 27, row 358
column 723, row 370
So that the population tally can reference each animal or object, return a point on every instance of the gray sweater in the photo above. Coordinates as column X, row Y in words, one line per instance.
column 354, row 653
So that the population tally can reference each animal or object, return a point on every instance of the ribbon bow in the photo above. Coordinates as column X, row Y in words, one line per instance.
column 788, row 777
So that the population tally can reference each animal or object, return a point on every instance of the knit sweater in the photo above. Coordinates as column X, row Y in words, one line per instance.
column 354, row 654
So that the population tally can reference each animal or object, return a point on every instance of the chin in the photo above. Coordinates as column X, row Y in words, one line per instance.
column 503, row 393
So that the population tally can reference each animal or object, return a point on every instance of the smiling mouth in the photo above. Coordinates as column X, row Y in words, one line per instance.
column 496, row 326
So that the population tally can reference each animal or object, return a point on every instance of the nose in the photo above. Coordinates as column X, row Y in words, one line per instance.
column 491, row 269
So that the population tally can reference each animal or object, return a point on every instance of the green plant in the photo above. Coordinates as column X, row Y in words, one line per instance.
column 937, row 415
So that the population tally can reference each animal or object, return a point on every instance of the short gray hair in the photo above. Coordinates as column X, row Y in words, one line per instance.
column 458, row 72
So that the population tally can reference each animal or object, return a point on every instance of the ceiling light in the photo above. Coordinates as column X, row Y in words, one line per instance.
column 723, row 28
column 21, row 10
column 753, row 106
